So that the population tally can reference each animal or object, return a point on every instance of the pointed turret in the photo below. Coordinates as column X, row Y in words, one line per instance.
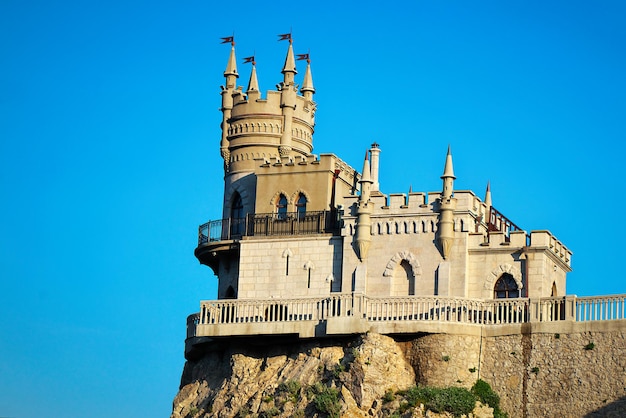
column 447, row 204
column 227, row 102
column 231, row 69
column 363, row 235
column 253, row 84
column 289, row 93
column 307, row 89
column 448, row 175
column 488, row 196
column 289, row 69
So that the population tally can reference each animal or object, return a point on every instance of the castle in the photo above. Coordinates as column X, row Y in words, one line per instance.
column 309, row 246
column 314, row 261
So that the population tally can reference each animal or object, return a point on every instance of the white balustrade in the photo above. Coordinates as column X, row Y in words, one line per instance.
column 409, row 308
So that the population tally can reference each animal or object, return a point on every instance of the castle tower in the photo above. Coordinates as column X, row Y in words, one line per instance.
column 258, row 130
column 227, row 102
column 280, row 125
column 447, row 204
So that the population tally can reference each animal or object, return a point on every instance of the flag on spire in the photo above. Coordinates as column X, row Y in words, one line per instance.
column 285, row 37
column 249, row 59
column 228, row 39
column 301, row 57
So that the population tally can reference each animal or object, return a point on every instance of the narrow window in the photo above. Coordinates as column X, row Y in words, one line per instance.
column 236, row 215
column 281, row 207
column 309, row 280
column 301, row 206
column 287, row 266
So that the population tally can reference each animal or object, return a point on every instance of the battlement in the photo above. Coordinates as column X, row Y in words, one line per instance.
column 252, row 105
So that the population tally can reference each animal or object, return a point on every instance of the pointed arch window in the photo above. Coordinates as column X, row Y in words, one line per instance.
column 301, row 206
column 506, row 287
column 281, row 207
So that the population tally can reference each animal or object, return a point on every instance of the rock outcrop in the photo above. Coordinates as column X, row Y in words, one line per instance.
column 352, row 377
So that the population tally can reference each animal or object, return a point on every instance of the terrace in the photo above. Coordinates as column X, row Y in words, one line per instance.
column 344, row 314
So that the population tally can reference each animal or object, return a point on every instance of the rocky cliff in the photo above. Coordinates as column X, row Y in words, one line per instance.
column 560, row 370
column 353, row 377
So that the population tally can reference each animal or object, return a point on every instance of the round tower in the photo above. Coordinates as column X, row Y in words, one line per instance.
column 256, row 130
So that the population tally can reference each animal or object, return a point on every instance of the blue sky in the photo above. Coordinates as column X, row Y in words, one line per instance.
column 109, row 157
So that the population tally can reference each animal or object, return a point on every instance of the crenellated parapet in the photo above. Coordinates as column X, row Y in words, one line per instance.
column 279, row 125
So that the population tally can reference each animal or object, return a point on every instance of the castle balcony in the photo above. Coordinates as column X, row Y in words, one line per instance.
column 221, row 237
column 345, row 314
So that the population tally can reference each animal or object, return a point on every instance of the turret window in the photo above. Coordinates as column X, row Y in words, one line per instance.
column 506, row 287
column 236, row 215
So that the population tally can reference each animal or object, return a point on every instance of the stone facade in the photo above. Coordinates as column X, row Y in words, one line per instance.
column 300, row 225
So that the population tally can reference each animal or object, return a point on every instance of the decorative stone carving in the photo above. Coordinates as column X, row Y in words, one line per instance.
column 491, row 279
column 397, row 259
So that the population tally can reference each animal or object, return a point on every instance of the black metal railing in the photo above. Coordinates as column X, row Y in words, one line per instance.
column 270, row 224
column 497, row 222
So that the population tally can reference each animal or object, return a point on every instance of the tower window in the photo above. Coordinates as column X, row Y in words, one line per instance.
column 281, row 207
column 236, row 215
column 301, row 206
column 506, row 287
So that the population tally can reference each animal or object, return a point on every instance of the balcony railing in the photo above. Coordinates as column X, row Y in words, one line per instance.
column 269, row 224
column 410, row 309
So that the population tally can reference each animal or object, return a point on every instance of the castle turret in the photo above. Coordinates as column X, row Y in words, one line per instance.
column 363, row 236
column 227, row 101
column 253, row 84
column 307, row 89
column 447, row 204
column 288, row 101
column 256, row 130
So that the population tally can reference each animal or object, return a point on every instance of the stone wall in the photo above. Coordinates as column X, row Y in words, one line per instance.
column 557, row 370
column 558, row 374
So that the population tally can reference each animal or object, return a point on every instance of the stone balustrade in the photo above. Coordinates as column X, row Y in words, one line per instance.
column 248, row 317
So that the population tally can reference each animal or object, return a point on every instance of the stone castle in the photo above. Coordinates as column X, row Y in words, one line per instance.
column 300, row 225
column 308, row 250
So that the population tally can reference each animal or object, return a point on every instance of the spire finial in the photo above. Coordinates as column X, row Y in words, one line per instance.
column 307, row 84
column 488, row 195
column 448, row 170
column 231, row 67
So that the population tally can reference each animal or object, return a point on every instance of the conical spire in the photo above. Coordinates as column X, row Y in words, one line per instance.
column 253, row 84
column 307, row 89
column 488, row 195
column 448, row 170
column 366, row 175
column 231, row 67
column 290, row 61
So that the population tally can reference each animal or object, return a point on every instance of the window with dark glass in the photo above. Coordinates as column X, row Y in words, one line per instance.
column 506, row 287
column 281, row 207
column 236, row 215
column 301, row 206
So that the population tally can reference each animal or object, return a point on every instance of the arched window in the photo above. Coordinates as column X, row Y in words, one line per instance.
column 506, row 287
column 237, row 220
column 301, row 206
column 281, row 207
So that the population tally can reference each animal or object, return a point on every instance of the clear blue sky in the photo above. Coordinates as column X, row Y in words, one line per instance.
column 109, row 157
